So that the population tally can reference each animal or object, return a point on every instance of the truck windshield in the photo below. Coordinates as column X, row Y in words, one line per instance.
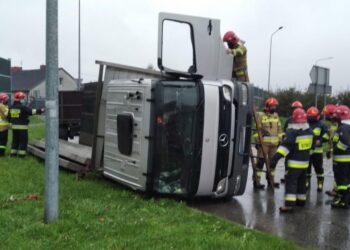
column 178, row 136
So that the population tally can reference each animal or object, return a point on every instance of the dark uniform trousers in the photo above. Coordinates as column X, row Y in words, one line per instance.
column 295, row 187
column 3, row 141
column 342, row 178
column 19, row 142
column 316, row 160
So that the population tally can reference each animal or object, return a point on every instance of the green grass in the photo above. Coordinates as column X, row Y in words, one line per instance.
column 99, row 214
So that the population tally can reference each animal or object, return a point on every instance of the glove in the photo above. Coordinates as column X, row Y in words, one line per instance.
column 329, row 154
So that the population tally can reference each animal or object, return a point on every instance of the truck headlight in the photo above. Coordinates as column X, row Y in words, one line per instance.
column 221, row 186
column 227, row 92
column 244, row 94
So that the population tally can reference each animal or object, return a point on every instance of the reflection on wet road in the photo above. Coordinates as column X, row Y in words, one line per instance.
column 316, row 225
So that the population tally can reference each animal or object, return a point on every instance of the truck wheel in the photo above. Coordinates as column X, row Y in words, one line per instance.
column 63, row 133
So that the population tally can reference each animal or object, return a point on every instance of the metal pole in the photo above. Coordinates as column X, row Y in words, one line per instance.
column 51, row 142
column 268, row 81
column 79, row 55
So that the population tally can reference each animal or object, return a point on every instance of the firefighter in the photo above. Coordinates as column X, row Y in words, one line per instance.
column 329, row 113
column 341, row 157
column 320, row 132
column 296, row 148
column 271, row 134
column 18, row 117
column 239, row 51
column 4, row 125
column 295, row 105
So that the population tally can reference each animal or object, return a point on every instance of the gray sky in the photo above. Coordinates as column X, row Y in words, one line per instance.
column 126, row 32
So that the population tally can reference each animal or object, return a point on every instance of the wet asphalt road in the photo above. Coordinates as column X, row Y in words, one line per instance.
column 316, row 225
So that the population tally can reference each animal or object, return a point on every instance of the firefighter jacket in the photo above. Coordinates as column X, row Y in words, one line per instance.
column 331, row 131
column 270, row 127
column 3, row 117
column 341, row 143
column 240, row 69
column 321, row 135
column 295, row 147
column 19, row 114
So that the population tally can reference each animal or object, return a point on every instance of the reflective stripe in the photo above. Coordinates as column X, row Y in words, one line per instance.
column 317, row 131
column 271, row 139
column 259, row 173
column 290, row 197
column 272, row 173
column 240, row 73
column 301, row 197
column 298, row 164
column 318, row 150
column 342, row 146
column 336, row 137
column 22, row 152
column 325, row 136
column 3, row 147
column 341, row 158
column 320, row 175
column 342, row 187
column 34, row 111
column 4, row 123
column 283, row 151
column 20, row 127
column 14, row 151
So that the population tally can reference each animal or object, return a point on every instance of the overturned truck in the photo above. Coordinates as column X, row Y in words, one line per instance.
column 184, row 131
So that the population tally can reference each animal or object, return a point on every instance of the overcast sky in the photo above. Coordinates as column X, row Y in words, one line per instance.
column 125, row 32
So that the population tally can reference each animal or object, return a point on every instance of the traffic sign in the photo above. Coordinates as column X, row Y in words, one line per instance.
column 319, row 89
column 319, row 75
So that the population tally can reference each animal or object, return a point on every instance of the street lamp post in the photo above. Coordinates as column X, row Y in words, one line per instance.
column 268, row 82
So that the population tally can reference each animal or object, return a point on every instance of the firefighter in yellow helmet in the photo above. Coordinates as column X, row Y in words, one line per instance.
column 18, row 117
column 271, row 133
column 4, row 125
column 239, row 51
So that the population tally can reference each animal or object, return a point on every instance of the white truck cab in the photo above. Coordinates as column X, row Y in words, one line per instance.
column 186, row 132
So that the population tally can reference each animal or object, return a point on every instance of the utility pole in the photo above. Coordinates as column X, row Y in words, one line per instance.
column 79, row 56
column 51, row 119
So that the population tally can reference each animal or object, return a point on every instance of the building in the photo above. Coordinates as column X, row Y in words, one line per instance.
column 32, row 82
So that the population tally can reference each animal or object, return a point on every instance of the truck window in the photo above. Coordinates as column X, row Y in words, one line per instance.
column 178, row 136
column 177, row 46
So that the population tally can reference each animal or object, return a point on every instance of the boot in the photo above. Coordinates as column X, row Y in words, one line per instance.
column 275, row 184
column 257, row 184
column 286, row 209
column 331, row 193
column 340, row 203
column 319, row 185
column 307, row 183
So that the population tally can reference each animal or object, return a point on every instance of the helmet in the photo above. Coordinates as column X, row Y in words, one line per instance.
column 313, row 112
column 3, row 97
column 270, row 102
column 299, row 116
column 342, row 112
column 328, row 110
column 230, row 37
column 19, row 96
column 297, row 104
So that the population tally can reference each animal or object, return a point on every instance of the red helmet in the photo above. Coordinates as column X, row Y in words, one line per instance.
column 313, row 112
column 19, row 96
column 3, row 97
column 299, row 116
column 230, row 37
column 342, row 112
column 271, row 102
column 328, row 110
column 297, row 104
